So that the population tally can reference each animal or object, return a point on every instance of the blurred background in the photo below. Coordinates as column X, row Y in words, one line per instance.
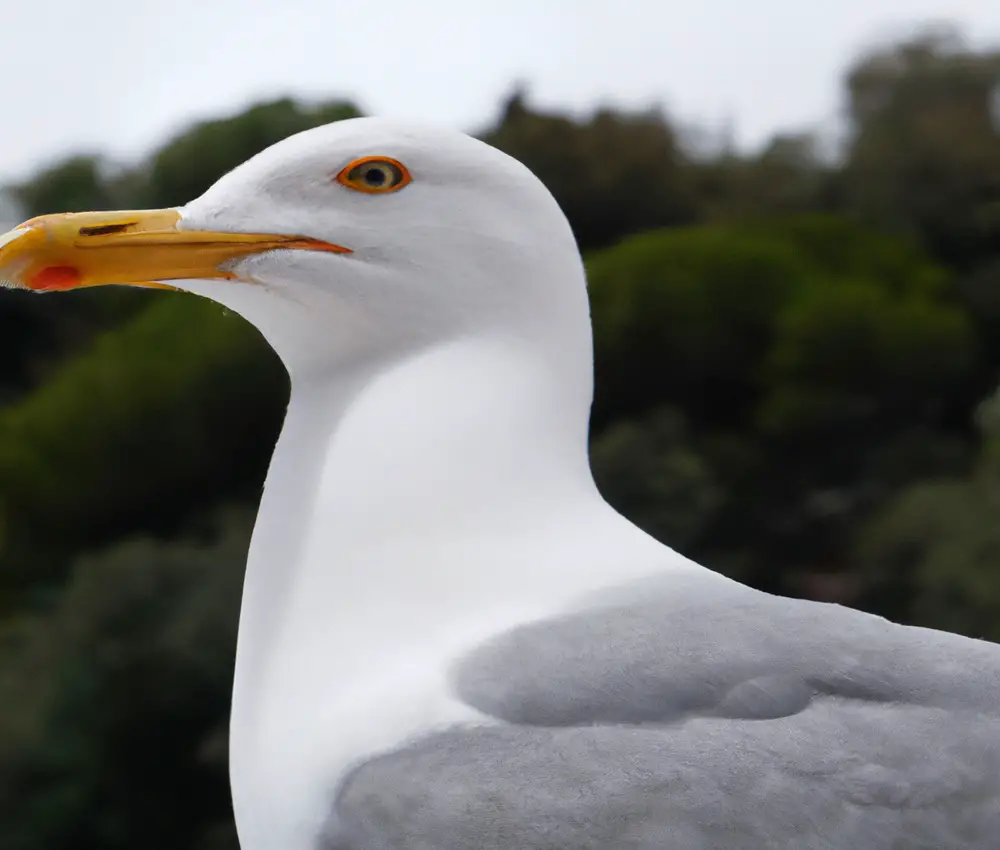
column 790, row 215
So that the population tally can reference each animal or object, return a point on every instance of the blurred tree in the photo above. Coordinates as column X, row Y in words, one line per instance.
column 161, row 418
column 188, row 164
column 932, row 556
column 706, row 312
column 686, row 317
column 613, row 174
column 75, row 185
column 115, row 701
column 788, row 176
column 925, row 147
column 651, row 471
column 924, row 156
column 823, row 354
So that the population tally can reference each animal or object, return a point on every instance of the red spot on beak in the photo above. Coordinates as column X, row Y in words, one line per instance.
column 56, row 278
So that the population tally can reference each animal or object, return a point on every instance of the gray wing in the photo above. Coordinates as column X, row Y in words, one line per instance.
column 700, row 646
column 692, row 720
column 862, row 778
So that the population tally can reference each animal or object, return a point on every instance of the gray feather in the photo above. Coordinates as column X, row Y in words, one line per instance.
column 725, row 650
column 707, row 716
column 839, row 775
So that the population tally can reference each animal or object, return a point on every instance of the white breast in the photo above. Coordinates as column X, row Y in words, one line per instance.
column 291, row 749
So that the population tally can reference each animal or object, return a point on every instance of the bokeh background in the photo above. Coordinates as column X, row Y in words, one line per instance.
column 790, row 215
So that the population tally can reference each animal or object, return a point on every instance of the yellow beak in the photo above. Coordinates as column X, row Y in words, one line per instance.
column 141, row 248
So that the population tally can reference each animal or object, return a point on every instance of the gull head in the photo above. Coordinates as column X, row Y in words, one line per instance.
column 361, row 239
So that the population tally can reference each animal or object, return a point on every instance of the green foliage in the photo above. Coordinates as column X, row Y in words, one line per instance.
column 173, row 410
column 851, row 355
column 729, row 319
column 933, row 558
column 817, row 352
column 36, row 334
column 932, row 555
column 787, row 177
column 925, row 159
column 186, row 166
column 75, row 185
column 650, row 471
column 686, row 306
column 613, row 174
column 115, row 699
column 925, row 154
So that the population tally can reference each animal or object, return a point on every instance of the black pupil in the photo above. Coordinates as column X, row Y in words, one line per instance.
column 375, row 177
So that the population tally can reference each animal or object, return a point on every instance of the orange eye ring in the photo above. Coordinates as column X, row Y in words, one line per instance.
column 374, row 175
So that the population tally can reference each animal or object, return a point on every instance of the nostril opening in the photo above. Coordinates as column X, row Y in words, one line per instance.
column 106, row 229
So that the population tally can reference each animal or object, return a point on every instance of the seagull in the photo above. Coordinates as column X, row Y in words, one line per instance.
column 448, row 639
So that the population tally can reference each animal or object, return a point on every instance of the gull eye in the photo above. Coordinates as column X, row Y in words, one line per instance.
column 374, row 175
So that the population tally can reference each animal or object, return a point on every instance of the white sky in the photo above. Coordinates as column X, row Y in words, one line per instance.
column 117, row 76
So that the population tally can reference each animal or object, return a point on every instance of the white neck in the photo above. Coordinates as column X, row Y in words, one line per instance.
column 404, row 505
column 468, row 439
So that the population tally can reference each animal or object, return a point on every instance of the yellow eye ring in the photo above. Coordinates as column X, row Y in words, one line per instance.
column 374, row 175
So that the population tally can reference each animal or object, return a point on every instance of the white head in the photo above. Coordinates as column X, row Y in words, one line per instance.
column 469, row 242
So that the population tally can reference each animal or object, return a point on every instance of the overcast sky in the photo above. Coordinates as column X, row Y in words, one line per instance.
column 118, row 75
